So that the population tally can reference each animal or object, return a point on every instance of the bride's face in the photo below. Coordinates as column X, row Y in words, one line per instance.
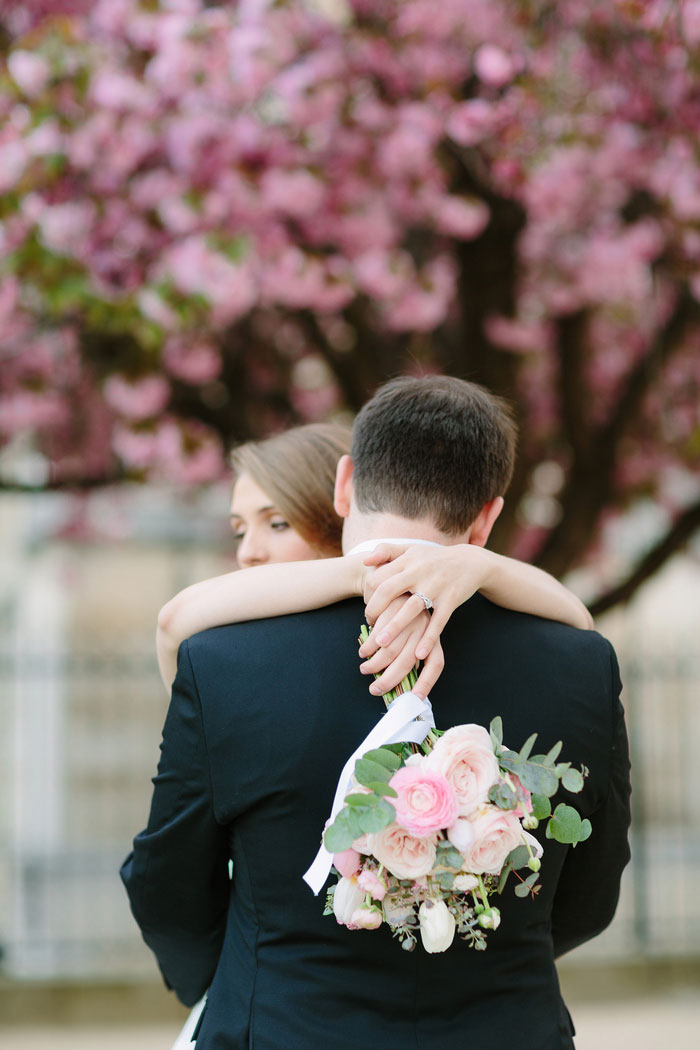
column 263, row 535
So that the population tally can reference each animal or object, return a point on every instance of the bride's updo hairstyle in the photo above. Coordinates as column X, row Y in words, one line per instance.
column 296, row 469
column 435, row 447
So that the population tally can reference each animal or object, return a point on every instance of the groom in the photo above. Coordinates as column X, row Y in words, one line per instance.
column 262, row 718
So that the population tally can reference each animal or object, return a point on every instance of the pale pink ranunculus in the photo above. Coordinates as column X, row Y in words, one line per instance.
column 371, row 883
column 496, row 833
column 426, row 802
column 406, row 856
column 347, row 862
column 464, row 755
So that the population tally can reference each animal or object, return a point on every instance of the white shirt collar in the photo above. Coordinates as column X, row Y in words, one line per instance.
column 369, row 545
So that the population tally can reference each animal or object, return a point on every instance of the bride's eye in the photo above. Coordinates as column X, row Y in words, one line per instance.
column 279, row 526
column 238, row 535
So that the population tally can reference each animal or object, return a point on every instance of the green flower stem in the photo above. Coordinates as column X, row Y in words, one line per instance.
column 405, row 685
column 484, row 894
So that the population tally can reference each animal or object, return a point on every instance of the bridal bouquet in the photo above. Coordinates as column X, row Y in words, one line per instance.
column 429, row 833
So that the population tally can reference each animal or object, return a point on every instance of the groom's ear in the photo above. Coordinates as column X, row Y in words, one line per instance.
column 483, row 522
column 343, row 486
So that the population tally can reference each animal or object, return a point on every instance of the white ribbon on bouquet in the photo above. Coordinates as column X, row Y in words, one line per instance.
column 409, row 718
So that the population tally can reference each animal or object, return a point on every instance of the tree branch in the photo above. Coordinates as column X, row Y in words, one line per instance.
column 682, row 530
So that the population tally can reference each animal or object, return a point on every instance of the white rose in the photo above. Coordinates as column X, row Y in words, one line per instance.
column 347, row 898
column 461, row 835
column 437, row 926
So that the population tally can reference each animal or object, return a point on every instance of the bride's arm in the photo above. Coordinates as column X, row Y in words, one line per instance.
column 251, row 594
column 449, row 576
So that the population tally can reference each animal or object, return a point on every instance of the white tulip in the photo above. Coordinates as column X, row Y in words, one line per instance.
column 437, row 926
column 347, row 898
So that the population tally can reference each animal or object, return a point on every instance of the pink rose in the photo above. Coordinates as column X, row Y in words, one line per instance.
column 496, row 833
column 370, row 882
column 347, row 862
column 426, row 802
column 403, row 854
column 464, row 755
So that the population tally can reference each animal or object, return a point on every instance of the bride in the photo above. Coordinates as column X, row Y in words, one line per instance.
column 282, row 512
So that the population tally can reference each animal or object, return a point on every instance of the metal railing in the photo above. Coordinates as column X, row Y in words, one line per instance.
column 80, row 742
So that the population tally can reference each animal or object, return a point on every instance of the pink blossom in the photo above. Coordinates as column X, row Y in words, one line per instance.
column 137, row 449
column 461, row 217
column 518, row 335
column 25, row 410
column 426, row 802
column 64, row 227
column 13, row 160
column 137, row 399
column 193, row 361
column 371, row 883
column 496, row 833
column 29, row 70
column 471, row 122
column 347, row 862
column 493, row 65
column 406, row 856
column 464, row 755
column 294, row 193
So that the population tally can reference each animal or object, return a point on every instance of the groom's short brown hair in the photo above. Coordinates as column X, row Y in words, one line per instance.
column 435, row 447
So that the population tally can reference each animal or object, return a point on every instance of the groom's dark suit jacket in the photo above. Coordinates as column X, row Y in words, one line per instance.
column 262, row 718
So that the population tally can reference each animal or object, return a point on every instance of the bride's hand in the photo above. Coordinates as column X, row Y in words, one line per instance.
column 448, row 576
column 393, row 661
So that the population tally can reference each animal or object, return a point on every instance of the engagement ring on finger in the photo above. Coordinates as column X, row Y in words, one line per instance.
column 426, row 601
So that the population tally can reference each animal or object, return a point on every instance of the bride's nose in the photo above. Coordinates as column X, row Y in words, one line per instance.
column 252, row 550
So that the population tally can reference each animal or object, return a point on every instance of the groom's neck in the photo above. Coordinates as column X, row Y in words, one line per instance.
column 359, row 528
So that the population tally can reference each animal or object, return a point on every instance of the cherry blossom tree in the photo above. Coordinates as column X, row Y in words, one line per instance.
column 220, row 219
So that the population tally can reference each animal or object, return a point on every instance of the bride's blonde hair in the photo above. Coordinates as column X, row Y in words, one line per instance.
column 296, row 469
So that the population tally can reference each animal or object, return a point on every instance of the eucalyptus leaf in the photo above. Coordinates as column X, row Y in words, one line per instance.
column 527, row 747
column 566, row 826
column 503, row 796
column 572, row 780
column 386, row 758
column 553, row 754
column 522, row 890
column 446, row 880
column 343, row 831
column 368, row 772
column 451, row 858
column 518, row 857
column 380, row 788
column 496, row 731
column 377, row 817
column 541, row 807
column 362, row 800
column 538, row 779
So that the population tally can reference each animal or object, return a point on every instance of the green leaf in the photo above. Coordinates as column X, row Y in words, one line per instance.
column 538, row 779
column 362, row 800
column 386, row 758
column 527, row 747
column 451, row 858
column 343, row 831
column 541, row 807
column 503, row 796
column 566, row 826
column 377, row 817
column 572, row 780
column 368, row 772
column 518, row 857
column 522, row 890
column 496, row 731
column 446, row 880
column 381, row 788
column 553, row 754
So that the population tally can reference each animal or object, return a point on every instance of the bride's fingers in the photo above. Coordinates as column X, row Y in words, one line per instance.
column 431, row 671
column 395, row 672
column 384, row 553
column 384, row 595
column 431, row 637
column 386, row 630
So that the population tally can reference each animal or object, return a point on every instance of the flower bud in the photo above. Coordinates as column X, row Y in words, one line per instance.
column 530, row 822
column 465, row 883
column 437, row 926
column 347, row 898
column 490, row 920
column 534, row 864
column 365, row 919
